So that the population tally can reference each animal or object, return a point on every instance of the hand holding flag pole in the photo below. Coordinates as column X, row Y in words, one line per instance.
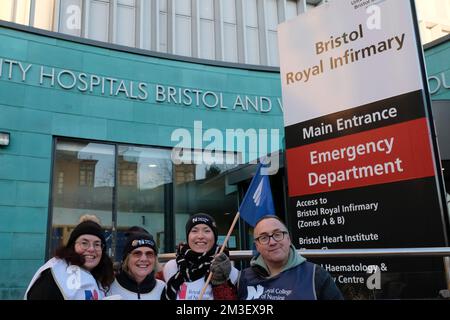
column 236, row 217
column 257, row 203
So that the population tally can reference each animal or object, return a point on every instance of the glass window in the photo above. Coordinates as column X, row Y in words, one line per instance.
column 43, row 17
column 6, row 10
column 291, row 9
column 251, row 31
column 446, row 171
column 83, row 181
column 98, row 20
column 251, row 13
column 147, row 21
column 183, row 35
column 229, row 11
column 207, row 44
column 229, row 31
column 126, row 25
column 273, row 48
column 206, row 9
column 207, row 40
column 271, row 14
column 252, row 45
column 144, row 176
column 60, row 183
column 272, row 24
column 230, row 42
column 149, row 189
column 443, row 10
column 183, row 7
column 87, row 172
column 22, row 12
column 204, row 188
column 126, row 2
column 441, row 114
column 162, row 31
column 163, row 5
column 127, row 174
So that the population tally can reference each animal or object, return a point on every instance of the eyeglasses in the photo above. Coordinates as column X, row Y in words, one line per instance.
column 277, row 236
column 137, row 254
column 85, row 245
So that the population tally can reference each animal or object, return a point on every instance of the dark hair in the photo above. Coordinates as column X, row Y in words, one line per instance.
column 269, row 216
column 103, row 272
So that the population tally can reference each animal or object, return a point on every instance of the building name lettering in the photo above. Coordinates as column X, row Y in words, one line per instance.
column 437, row 82
column 50, row 77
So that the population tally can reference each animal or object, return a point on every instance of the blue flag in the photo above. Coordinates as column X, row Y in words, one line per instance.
column 258, row 200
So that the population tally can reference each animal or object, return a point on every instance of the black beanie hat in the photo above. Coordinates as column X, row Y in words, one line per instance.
column 137, row 240
column 87, row 227
column 201, row 218
column 135, row 229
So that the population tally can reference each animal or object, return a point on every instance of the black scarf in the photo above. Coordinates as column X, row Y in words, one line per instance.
column 147, row 285
column 191, row 266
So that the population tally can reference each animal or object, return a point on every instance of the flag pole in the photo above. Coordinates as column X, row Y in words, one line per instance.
column 224, row 244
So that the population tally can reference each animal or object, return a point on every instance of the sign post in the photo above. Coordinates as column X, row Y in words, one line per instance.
column 362, row 163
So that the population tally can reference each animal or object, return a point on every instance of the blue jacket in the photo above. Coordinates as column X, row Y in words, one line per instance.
column 300, row 280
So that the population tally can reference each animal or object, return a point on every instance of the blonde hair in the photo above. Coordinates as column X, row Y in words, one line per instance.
column 90, row 217
column 156, row 267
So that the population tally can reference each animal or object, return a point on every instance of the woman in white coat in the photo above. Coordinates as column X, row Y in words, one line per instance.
column 186, row 275
column 80, row 270
column 136, row 279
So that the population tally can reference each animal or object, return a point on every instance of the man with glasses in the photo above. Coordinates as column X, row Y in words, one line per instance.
column 278, row 272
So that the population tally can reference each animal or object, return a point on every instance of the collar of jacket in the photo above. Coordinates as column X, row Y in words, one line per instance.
column 260, row 267
column 130, row 284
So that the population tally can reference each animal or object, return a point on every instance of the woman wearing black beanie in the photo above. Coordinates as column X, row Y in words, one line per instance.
column 195, row 259
column 80, row 270
column 136, row 278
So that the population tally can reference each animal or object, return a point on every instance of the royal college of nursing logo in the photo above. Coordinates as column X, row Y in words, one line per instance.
column 254, row 293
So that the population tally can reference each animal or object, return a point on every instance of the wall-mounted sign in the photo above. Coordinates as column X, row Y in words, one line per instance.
column 361, row 166
column 101, row 85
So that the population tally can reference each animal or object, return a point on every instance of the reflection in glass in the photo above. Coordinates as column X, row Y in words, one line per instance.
column 150, row 188
column 203, row 187
column 83, row 181
column 143, row 174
